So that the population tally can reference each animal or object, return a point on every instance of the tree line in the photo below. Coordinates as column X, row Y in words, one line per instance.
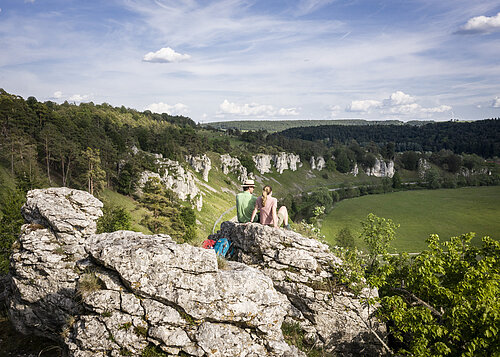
column 476, row 137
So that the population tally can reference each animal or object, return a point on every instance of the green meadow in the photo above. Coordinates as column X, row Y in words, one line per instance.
column 446, row 212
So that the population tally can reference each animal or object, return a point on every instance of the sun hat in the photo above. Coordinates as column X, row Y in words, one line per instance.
column 248, row 183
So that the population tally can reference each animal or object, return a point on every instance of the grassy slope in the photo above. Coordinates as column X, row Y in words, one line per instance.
column 137, row 212
column 447, row 212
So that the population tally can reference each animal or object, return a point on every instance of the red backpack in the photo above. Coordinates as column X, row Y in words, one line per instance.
column 208, row 244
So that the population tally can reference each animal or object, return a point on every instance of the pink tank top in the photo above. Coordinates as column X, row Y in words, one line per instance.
column 266, row 213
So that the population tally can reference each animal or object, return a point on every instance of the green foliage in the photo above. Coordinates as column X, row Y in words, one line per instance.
column 345, row 238
column 432, row 178
column 377, row 234
column 396, row 180
column 10, row 224
column 94, row 174
column 166, row 214
column 114, row 219
column 445, row 301
column 409, row 160
column 296, row 336
column 247, row 161
column 153, row 351
column 342, row 162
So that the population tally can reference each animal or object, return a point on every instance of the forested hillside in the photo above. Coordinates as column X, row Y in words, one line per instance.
column 280, row 125
column 480, row 137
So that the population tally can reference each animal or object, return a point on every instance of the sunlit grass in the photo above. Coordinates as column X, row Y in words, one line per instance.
column 446, row 212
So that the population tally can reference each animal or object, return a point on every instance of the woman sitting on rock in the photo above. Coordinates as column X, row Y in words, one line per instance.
column 267, row 205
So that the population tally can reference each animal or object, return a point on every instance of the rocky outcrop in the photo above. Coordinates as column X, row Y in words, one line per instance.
column 233, row 165
column 300, row 268
column 201, row 164
column 282, row 161
column 263, row 163
column 44, row 271
column 355, row 170
column 423, row 167
column 317, row 163
column 174, row 177
column 122, row 293
column 381, row 168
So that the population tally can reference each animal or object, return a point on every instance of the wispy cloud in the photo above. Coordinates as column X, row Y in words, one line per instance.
column 165, row 55
column 305, row 7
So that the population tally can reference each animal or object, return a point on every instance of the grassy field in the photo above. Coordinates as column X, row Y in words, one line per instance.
column 447, row 212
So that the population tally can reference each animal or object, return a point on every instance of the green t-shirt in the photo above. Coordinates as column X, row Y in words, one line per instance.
column 245, row 203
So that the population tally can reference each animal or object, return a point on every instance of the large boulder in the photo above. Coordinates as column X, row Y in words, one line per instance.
column 125, row 292
column 301, row 268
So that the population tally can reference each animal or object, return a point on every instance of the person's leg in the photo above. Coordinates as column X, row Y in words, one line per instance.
column 283, row 216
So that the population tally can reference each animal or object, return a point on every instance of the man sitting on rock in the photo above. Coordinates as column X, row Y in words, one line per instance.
column 245, row 202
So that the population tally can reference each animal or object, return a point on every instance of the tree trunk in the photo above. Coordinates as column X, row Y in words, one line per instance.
column 47, row 155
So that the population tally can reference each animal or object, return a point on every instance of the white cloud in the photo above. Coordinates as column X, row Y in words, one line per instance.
column 363, row 105
column 165, row 55
column 482, row 24
column 400, row 98
column 176, row 109
column 77, row 98
column 440, row 109
column 496, row 103
column 288, row 111
column 255, row 109
column 403, row 109
column 57, row 94
column 334, row 110
column 398, row 103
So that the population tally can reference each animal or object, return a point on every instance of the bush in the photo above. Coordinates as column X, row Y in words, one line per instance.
column 114, row 219
column 345, row 238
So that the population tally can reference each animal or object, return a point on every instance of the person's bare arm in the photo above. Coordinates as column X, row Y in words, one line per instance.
column 253, row 214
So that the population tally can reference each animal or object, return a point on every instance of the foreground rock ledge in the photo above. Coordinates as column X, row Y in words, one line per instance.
column 120, row 293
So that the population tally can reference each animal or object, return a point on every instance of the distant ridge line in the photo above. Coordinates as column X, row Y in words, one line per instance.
column 280, row 125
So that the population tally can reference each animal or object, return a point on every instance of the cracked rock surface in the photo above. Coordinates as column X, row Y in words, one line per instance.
column 121, row 293
column 300, row 268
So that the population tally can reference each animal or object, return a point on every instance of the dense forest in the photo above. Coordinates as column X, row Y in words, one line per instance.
column 480, row 137
column 280, row 125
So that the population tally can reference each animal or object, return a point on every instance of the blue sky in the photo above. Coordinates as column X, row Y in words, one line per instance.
column 244, row 59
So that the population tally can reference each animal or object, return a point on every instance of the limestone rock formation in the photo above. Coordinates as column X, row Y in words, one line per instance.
column 301, row 269
column 423, row 167
column 381, row 168
column 174, row 177
column 233, row 165
column 201, row 164
column 263, row 163
column 355, row 170
column 124, row 292
column 121, row 293
column 43, row 262
column 317, row 163
column 282, row 161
